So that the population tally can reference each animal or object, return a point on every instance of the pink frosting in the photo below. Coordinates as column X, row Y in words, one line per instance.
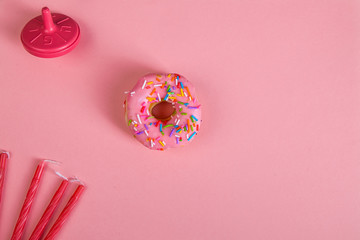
column 180, row 129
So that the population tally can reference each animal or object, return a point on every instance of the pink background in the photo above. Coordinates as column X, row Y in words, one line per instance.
column 278, row 156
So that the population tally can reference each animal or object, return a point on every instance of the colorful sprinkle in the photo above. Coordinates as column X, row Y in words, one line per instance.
column 187, row 89
column 138, row 117
column 192, row 116
column 172, row 131
column 143, row 84
column 191, row 136
column 183, row 103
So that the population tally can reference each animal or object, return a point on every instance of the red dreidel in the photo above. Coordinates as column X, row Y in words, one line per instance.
column 50, row 35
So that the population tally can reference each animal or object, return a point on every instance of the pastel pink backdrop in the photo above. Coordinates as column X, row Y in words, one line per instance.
column 278, row 156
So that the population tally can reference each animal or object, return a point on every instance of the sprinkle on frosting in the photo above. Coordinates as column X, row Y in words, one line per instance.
column 172, row 131
column 193, row 117
column 191, row 136
column 138, row 117
column 143, row 84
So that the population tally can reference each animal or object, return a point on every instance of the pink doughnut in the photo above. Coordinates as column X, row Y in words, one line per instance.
column 162, row 111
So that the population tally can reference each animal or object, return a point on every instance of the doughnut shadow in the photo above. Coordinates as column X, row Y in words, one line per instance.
column 119, row 82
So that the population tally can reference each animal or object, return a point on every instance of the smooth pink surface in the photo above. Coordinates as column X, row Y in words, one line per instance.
column 279, row 149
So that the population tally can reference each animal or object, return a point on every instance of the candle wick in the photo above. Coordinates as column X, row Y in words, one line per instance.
column 52, row 161
column 7, row 153
column 62, row 176
column 76, row 179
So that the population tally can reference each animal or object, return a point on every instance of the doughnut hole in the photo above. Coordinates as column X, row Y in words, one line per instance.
column 162, row 110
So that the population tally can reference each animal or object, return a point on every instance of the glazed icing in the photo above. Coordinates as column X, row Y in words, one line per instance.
column 158, row 134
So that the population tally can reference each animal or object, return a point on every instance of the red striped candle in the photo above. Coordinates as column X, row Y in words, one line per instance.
column 3, row 159
column 64, row 215
column 25, row 210
column 40, row 227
